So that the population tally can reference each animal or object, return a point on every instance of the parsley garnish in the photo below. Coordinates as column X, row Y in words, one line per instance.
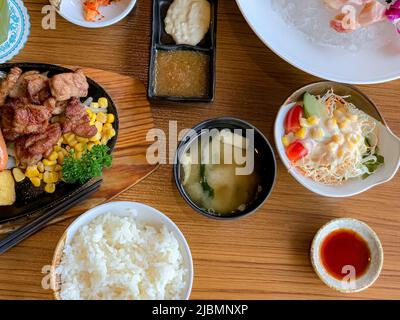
column 89, row 166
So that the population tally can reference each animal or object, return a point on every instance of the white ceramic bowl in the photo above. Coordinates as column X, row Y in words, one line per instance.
column 389, row 144
column 374, row 244
column 332, row 63
column 72, row 10
column 142, row 213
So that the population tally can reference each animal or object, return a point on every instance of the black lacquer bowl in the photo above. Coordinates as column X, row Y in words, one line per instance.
column 32, row 200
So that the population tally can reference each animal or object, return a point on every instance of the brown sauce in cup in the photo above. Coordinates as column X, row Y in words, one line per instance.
column 181, row 73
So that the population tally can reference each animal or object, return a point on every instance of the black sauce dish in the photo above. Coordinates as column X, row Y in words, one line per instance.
column 161, row 41
column 268, row 170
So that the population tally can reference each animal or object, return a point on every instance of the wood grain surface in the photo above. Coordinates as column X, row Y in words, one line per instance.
column 264, row 256
column 129, row 156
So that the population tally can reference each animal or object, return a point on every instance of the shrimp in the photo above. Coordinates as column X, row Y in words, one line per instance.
column 355, row 14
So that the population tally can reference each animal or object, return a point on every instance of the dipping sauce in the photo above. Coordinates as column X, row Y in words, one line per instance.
column 217, row 187
column 345, row 247
column 181, row 73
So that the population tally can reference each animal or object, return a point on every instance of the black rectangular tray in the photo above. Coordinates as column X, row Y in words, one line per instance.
column 160, row 40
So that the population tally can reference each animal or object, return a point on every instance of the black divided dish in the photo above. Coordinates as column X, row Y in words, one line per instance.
column 31, row 200
column 161, row 41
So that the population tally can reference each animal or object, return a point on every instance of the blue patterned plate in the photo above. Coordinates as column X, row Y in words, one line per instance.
column 18, row 33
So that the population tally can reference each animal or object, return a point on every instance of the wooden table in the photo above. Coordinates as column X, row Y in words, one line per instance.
column 264, row 256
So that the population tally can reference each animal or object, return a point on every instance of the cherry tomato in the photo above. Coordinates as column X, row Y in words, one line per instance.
column 296, row 150
column 292, row 120
column 3, row 153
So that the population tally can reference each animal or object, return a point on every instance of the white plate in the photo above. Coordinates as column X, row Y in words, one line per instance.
column 336, row 64
column 72, row 10
column 18, row 32
column 142, row 213
column 388, row 144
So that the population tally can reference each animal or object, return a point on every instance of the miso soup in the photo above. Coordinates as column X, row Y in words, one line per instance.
column 219, row 176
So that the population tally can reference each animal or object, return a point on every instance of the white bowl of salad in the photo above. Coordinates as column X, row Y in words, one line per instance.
column 334, row 141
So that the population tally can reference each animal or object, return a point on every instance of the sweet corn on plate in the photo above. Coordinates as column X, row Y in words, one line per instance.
column 48, row 171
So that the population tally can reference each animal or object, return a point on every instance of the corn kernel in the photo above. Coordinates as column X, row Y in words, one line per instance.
column 99, row 126
column 40, row 176
column 65, row 152
column 57, row 148
column 353, row 138
column 79, row 147
column 40, row 166
column 333, row 146
column 313, row 120
column 317, row 133
column 301, row 134
column 50, row 187
column 344, row 124
column 338, row 138
column 304, row 123
column 53, row 156
column 110, row 118
column 31, row 172
column 48, row 162
column 101, row 117
column 103, row 102
column 95, row 138
column 94, row 105
column 57, row 168
column 88, row 111
column 35, row 181
column 107, row 126
column 50, row 177
column 90, row 146
column 285, row 141
column 331, row 123
column 92, row 119
column 78, row 155
column 352, row 117
column 82, row 140
column 18, row 174
column 68, row 136
column 72, row 143
column 49, row 168
column 104, row 140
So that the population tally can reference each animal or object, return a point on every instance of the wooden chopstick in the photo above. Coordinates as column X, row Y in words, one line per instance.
column 32, row 227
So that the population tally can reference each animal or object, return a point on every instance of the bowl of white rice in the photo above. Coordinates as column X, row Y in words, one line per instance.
column 122, row 251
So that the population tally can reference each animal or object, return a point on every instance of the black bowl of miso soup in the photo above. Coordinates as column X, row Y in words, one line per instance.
column 225, row 168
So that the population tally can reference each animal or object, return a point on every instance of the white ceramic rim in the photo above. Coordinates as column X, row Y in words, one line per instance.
column 349, row 221
column 100, row 24
column 380, row 79
column 94, row 212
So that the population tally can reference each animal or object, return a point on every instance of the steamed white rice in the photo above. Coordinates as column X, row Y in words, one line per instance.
column 118, row 257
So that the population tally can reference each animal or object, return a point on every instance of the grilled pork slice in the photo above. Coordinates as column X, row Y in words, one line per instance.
column 31, row 149
column 64, row 86
column 19, row 117
column 77, row 120
column 8, row 84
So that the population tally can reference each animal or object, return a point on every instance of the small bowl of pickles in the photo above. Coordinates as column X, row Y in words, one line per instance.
column 225, row 168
